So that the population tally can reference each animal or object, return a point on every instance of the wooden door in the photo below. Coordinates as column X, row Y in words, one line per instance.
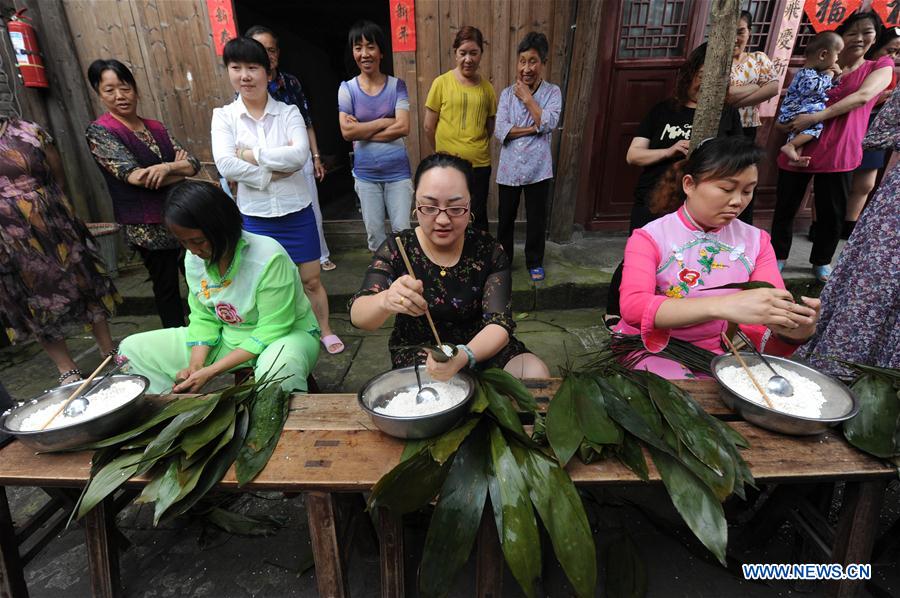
column 645, row 43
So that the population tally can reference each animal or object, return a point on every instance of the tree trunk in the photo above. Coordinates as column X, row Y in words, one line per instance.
column 716, row 70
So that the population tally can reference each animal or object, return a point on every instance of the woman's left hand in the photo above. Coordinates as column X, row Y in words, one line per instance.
column 195, row 381
column 154, row 175
column 318, row 169
column 444, row 371
column 801, row 122
column 805, row 324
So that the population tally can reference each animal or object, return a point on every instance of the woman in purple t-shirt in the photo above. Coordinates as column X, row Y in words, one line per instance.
column 837, row 153
column 373, row 110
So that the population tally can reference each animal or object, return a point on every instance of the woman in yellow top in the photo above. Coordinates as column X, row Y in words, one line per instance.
column 459, row 116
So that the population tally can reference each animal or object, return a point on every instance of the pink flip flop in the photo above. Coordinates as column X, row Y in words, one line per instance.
column 330, row 341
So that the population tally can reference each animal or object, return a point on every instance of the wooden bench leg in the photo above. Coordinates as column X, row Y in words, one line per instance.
column 102, row 552
column 856, row 530
column 12, row 578
column 320, row 511
column 489, row 560
column 390, row 544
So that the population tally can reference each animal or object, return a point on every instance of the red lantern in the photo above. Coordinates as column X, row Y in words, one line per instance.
column 826, row 15
column 28, row 55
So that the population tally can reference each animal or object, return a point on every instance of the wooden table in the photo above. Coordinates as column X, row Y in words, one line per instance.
column 330, row 446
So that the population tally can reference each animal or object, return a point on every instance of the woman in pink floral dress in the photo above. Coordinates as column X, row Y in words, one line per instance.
column 51, row 272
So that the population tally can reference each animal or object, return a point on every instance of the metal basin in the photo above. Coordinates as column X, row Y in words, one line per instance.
column 78, row 433
column 378, row 391
column 840, row 403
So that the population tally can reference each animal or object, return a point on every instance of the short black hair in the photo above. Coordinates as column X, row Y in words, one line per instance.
column 260, row 30
column 747, row 16
column 824, row 40
column 205, row 207
column 887, row 36
column 245, row 49
column 442, row 160
column 100, row 66
column 861, row 15
column 534, row 40
column 369, row 31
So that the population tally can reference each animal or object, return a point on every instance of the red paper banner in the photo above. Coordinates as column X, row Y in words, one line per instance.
column 826, row 15
column 403, row 26
column 221, row 21
column 888, row 10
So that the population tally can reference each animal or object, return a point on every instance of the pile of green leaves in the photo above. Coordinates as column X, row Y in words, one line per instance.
column 489, row 454
column 876, row 428
column 188, row 446
column 619, row 413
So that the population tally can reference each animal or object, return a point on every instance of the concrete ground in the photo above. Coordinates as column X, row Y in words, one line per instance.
column 558, row 320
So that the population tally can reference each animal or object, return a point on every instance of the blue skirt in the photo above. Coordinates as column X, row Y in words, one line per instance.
column 296, row 232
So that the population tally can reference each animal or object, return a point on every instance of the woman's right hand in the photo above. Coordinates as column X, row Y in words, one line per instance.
column 764, row 306
column 404, row 296
column 153, row 176
column 184, row 374
column 680, row 149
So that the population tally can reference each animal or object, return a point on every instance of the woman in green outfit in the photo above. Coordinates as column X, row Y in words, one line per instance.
column 247, row 305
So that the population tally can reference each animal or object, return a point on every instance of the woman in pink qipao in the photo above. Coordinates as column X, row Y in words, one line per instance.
column 676, row 265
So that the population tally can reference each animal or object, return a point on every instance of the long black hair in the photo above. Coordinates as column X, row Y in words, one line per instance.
column 714, row 158
column 442, row 160
column 100, row 66
column 687, row 72
column 205, row 207
column 887, row 36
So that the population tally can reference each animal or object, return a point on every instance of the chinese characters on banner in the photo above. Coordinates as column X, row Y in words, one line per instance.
column 784, row 46
column 826, row 15
column 888, row 10
column 403, row 26
column 221, row 21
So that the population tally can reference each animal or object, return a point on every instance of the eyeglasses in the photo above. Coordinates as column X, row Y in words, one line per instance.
column 451, row 212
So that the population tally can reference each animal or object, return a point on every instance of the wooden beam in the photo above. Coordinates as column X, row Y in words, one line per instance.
column 102, row 552
column 321, row 513
column 12, row 577
column 576, row 111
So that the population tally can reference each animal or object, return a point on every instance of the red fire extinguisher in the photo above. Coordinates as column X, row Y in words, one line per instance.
column 28, row 56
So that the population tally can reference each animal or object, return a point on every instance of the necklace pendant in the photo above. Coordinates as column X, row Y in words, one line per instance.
column 443, row 272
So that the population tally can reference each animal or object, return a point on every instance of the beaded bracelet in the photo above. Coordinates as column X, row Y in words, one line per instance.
column 465, row 349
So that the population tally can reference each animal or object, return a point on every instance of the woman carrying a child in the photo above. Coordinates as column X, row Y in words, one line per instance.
column 837, row 151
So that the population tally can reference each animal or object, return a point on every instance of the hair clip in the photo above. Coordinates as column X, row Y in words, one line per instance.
column 704, row 141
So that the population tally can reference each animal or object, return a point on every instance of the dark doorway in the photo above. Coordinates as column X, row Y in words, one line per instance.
column 313, row 41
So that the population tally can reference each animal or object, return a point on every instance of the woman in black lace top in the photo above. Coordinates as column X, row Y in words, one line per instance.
column 463, row 278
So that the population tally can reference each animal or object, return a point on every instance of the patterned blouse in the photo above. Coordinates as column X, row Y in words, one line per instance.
column 752, row 68
column 463, row 298
column 112, row 155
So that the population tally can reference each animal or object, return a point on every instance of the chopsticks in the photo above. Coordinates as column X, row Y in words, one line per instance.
column 747, row 369
column 78, row 391
column 413, row 275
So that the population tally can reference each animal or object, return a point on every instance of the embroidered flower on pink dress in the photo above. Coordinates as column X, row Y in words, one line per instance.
column 228, row 313
column 691, row 277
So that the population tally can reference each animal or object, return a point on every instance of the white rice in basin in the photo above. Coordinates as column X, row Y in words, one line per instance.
column 404, row 403
column 807, row 400
column 103, row 401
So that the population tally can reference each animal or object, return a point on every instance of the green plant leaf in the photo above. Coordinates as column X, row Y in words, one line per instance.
column 507, row 384
column 501, row 408
column 626, row 574
column 410, row 485
column 589, row 452
column 721, row 485
column 167, row 437
column 875, row 427
column 593, row 420
column 480, row 401
column 448, row 443
column 636, row 396
column 685, row 417
column 170, row 485
column 563, row 429
column 243, row 525
column 517, row 529
column 414, row 446
column 267, row 416
column 199, row 436
column 150, row 491
column 559, row 506
column 454, row 523
column 108, row 479
column 695, row 502
column 632, row 456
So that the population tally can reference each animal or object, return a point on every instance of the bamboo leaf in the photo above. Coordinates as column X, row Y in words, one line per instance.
column 695, row 502
column 267, row 416
column 410, row 485
column 107, row 480
column 563, row 429
column 637, row 397
column 589, row 452
column 626, row 574
column 721, row 485
column 517, row 528
column 414, row 446
column 559, row 506
column 150, row 491
column 593, row 420
column 243, row 525
column 170, row 485
column 480, row 401
column 874, row 428
column 507, row 384
column 501, row 408
column 168, row 435
column 632, row 456
column 199, row 436
column 456, row 517
column 447, row 444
